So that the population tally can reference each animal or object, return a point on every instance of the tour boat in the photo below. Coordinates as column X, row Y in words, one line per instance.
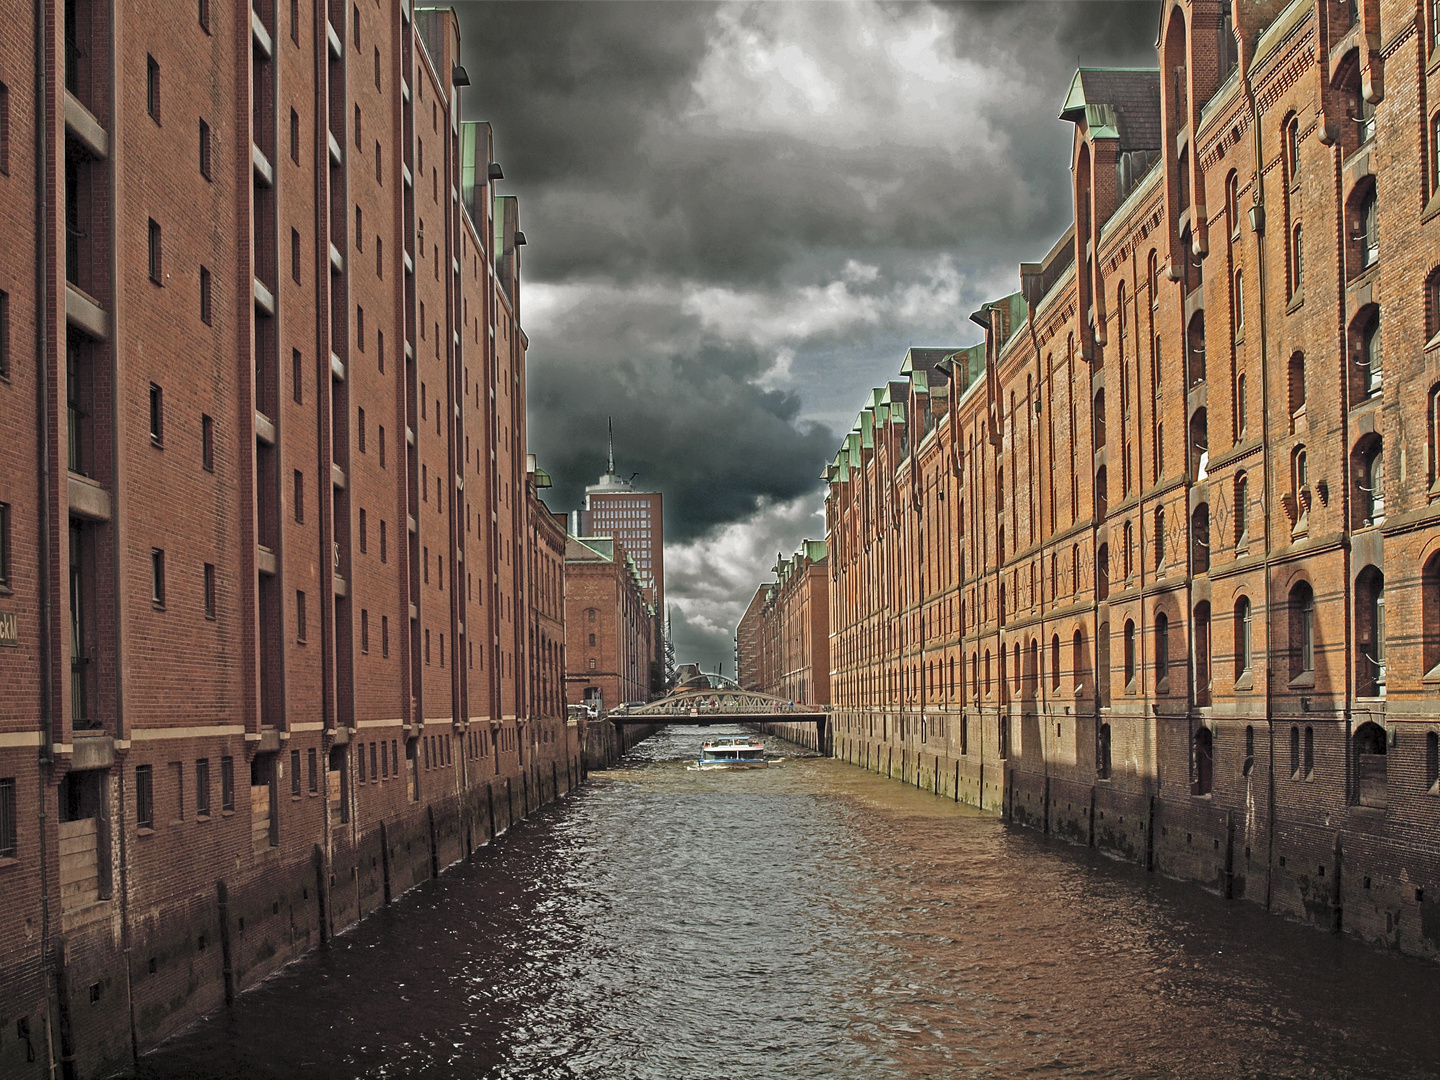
column 733, row 753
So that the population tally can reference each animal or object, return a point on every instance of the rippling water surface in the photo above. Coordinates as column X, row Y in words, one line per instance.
column 813, row 920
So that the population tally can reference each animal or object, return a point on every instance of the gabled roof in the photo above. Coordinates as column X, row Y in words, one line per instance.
column 1117, row 103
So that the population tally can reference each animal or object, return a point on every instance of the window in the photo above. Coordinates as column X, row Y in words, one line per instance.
column 205, row 296
column 4, row 335
column 1200, row 627
column 4, row 129
column 380, row 273
column 209, row 590
column 152, row 88
column 1370, row 766
column 1432, row 309
column 299, row 496
column 384, row 635
column 1302, row 631
column 1367, row 229
column 1162, row 652
column 1370, row 633
column 1297, row 262
column 1370, row 358
column 144, row 797
column 1292, row 150
column 300, row 616
column 1102, row 753
column 5, row 546
column 383, row 552
column 357, row 127
column 1203, row 761
column 297, row 391
column 364, row 631
column 157, row 415
column 311, row 773
column 1294, row 752
column 204, row 149
column 295, row 136
column 295, row 255
column 377, row 78
column 207, row 443
column 360, row 328
column 1241, row 407
column 1430, row 617
column 1296, row 388
column 202, row 788
column 1129, row 652
column 1200, row 539
column 1237, row 299
column 1248, row 766
column 205, row 15
column 1309, row 766
column 295, row 773
column 157, row 577
column 1370, row 481
column 154, row 254
column 355, row 35
column 1152, row 279
column 364, row 532
column 1432, row 766
column 8, row 840
column 359, row 229
column 227, row 783
column 1242, row 509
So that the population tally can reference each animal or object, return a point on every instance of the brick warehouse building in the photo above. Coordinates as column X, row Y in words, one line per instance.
column 280, row 615
column 783, row 640
column 609, row 625
column 1156, row 566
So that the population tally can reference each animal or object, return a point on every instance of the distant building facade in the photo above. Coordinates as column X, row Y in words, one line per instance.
column 783, row 640
column 610, row 625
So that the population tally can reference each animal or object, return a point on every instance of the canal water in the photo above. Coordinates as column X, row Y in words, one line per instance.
column 812, row 920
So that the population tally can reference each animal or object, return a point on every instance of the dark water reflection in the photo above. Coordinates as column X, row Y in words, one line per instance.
column 813, row 920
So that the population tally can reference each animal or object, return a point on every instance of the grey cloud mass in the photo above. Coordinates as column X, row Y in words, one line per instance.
column 740, row 216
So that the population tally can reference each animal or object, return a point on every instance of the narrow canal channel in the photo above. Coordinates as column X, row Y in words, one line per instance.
column 812, row 920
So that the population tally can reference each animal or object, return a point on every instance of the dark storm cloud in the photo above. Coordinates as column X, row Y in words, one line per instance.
column 740, row 216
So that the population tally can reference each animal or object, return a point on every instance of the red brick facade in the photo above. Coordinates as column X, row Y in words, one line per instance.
column 608, row 623
column 289, row 618
column 783, row 641
column 1154, row 566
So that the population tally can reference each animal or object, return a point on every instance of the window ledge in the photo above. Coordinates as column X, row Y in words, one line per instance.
column 1432, row 208
column 1163, row 686
column 1304, row 681
column 1245, row 681
column 1297, row 301
column 8, row 861
column 144, row 832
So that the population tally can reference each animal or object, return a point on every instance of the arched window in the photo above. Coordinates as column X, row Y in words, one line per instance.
column 1365, row 228
column 1369, row 472
column 1232, row 205
column 1242, row 509
column 1099, row 418
column 1292, row 149
column 1102, row 663
column 1434, row 154
column 1077, row 659
column 1369, row 358
column 1432, row 763
column 1159, row 451
column 1244, row 638
column 1302, row 630
column 987, row 672
column 1242, row 407
column 1248, row 765
column 1199, row 443
column 1432, row 304
column 1129, row 652
column 1294, row 752
column 1102, row 753
column 1299, row 485
column 1430, row 617
column 1102, row 501
column 1129, row 549
column 1152, row 278
column 1162, row 653
column 1102, row 573
column 1195, row 339
column 1296, row 372
column 1371, row 781
column 1297, row 260
column 1309, row 767
column 1370, row 633
column 1200, row 539
column 1202, row 761
column 1055, row 662
column 1202, row 653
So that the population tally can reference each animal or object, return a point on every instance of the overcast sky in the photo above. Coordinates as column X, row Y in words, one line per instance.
column 740, row 217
